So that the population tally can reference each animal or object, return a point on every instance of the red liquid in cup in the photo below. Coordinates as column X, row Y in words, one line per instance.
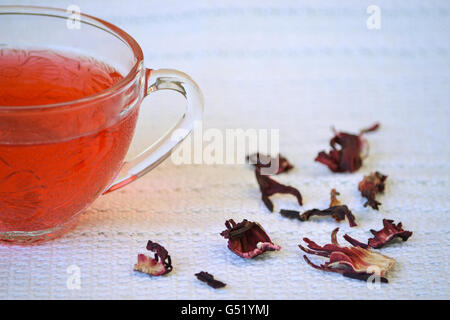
column 44, row 184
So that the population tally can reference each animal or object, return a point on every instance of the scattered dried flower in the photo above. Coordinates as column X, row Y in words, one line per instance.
column 336, row 210
column 383, row 236
column 159, row 265
column 247, row 239
column 349, row 157
column 269, row 187
column 370, row 186
column 209, row 279
column 353, row 262
column 265, row 161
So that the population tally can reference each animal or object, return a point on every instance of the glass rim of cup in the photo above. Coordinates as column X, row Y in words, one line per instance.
column 94, row 22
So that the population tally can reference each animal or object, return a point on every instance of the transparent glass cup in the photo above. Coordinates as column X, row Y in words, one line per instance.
column 88, row 138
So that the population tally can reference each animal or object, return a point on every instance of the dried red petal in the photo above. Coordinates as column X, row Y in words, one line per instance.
column 348, row 157
column 370, row 186
column 150, row 266
column 265, row 161
column 247, row 239
column 159, row 265
column 383, row 236
column 389, row 232
column 353, row 262
column 355, row 242
column 336, row 210
column 209, row 279
column 269, row 187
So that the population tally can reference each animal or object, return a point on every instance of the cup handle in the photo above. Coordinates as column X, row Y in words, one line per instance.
column 163, row 79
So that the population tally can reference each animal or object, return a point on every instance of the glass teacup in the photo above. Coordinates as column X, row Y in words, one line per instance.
column 57, row 158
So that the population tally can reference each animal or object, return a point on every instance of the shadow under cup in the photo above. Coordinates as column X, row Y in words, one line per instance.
column 55, row 160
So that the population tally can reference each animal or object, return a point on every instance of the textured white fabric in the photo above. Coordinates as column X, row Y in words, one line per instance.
column 299, row 67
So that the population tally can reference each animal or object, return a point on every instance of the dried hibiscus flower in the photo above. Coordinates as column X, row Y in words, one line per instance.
column 336, row 210
column 348, row 158
column 353, row 262
column 209, row 279
column 247, row 239
column 383, row 236
column 370, row 186
column 265, row 161
column 159, row 265
column 269, row 187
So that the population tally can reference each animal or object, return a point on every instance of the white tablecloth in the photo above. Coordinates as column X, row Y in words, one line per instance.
column 299, row 67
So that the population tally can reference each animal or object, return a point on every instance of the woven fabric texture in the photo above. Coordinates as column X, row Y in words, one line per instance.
column 298, row 67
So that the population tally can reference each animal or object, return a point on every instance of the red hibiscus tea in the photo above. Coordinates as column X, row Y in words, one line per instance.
column 69, row 101
column 55, row 162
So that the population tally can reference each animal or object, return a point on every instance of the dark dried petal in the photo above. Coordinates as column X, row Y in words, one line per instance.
column 247, row 239
column 269, row 187
column 338, row 212
column 209, row 279
column 159, row 265
column 383, row 236
column 291, row 214
column 362, row 276
column 265, row 161
column 160, row 251
column 389, row 232
column 355, row 242
column 370, row 186
column 348, row 158
column 353, row 262
column 350, row 217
